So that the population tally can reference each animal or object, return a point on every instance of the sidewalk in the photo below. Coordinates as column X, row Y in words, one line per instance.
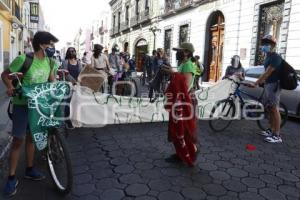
column 4, row 123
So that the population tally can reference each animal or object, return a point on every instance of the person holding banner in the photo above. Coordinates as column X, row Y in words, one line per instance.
column 41, row 70
column 181, row 104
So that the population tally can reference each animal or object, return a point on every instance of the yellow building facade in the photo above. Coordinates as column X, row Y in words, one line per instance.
column 10, row 31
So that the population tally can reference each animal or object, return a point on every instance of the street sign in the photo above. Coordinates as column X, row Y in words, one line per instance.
column 34, row 12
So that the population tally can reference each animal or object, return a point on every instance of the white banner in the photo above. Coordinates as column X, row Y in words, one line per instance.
column 90, row 109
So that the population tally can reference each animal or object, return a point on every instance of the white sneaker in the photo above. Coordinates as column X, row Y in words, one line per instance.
column 273, row 139
column 266, row 133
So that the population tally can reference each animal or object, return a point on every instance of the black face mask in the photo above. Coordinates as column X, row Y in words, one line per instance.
column 180, row 56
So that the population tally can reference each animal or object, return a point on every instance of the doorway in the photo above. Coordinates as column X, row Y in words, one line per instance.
column 140, row 47
column 214, row 46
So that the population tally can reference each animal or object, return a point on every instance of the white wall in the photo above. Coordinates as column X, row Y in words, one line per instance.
column 293, row 43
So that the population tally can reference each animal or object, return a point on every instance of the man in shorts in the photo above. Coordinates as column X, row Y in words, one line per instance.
column 271, row 78
column 41, row 70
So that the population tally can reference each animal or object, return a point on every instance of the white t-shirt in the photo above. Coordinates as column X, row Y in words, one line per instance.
column 100, row 63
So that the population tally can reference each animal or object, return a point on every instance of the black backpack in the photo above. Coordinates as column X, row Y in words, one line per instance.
column 288, row 76
column 24, row 69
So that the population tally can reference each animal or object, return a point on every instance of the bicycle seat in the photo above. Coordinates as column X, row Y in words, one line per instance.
column 15, row 75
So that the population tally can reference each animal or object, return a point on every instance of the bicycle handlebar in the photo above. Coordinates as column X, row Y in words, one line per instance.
column 240, row 83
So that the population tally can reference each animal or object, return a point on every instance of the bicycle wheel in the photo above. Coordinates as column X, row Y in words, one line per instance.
column 263, row 124
column 222, row 115
column 59, row 162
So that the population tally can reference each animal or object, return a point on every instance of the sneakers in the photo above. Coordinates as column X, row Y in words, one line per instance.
column 273, row 139
column 34, row 175
column 10, row 187
column 266, row 133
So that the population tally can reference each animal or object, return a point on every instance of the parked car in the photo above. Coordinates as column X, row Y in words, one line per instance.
column 290, row 98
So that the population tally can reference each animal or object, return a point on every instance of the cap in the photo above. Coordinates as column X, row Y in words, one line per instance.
column 268, row 39
column 98, row 47
column 186, row 46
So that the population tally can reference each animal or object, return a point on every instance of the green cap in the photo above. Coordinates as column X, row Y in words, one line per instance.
column 186, row 46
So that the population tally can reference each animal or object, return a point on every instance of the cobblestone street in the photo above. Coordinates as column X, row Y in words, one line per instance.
column 127, row 162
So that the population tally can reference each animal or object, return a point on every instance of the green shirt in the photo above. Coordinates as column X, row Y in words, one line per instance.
column 38, row 72
column 188, row 67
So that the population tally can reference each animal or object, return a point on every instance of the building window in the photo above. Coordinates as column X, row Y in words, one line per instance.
column 168, row 42
column 146, row 7
column 119, row 21
column 114, row 22
column 137, row 7
column 127, row 15
column 270, row 21
column 184, row 34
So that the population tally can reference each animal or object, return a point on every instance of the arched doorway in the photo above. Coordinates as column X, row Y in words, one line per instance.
column 214, row 46
column 140, row 47
column 126, row 45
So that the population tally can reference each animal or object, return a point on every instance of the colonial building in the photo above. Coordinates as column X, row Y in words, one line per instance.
column 16, row 29
column 10, row 30
column 134, row 26
column 223, row 28
column 218, row 29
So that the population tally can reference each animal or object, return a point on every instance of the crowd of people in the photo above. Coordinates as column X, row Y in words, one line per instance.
column 180, row 90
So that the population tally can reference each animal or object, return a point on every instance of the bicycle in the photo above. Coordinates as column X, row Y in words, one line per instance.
column 224, row 111
column 124, row 84
column 56, row 151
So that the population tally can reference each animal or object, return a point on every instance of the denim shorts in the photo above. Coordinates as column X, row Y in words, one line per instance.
column 272, row 94
column 20, row 124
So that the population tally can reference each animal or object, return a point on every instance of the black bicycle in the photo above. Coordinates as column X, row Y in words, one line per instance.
column 56, row 152
column 226, row 110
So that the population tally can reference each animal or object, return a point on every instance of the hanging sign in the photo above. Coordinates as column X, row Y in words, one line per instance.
column 34, row 12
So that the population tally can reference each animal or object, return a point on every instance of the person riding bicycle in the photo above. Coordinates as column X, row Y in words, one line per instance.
column 41, row 70
column 235, row 68
column 271, row 78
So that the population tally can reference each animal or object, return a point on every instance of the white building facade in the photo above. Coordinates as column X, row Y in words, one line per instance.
column 223, row 28
column 218, row 29
column 134, row 26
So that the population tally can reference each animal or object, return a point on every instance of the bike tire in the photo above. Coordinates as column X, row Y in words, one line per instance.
column 230, row 108
column 57, row 140
column 263, row 123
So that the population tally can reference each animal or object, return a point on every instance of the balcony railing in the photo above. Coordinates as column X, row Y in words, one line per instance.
column 145, row 15
column 171, row 6
column 5, row 4
column 114, row 31
column 134, row 20
column 124, row 26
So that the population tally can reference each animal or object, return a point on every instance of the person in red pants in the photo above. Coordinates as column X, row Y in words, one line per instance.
column 181, row 103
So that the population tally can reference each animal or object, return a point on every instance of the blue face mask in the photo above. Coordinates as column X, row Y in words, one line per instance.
column 50, row 51
column 266, row 48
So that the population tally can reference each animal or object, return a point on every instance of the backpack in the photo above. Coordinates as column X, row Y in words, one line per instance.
column 288, row 76
column 24, row 69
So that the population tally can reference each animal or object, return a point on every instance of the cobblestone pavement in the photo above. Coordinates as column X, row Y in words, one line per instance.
column 127, row 162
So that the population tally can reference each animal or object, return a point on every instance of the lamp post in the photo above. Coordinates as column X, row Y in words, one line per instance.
column 154, row 29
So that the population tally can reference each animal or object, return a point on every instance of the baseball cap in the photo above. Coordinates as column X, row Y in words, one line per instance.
column 185, row 46
column 268, row 39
